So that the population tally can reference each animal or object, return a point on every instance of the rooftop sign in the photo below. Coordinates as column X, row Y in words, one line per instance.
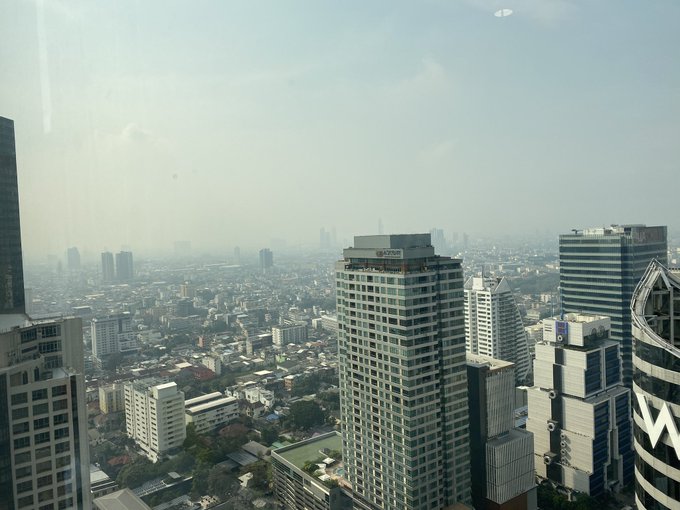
column 390, row 253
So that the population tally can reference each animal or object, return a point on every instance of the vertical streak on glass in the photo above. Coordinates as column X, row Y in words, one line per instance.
column 44, row 70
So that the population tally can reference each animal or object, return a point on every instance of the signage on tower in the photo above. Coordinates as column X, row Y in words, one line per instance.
column 665, row 421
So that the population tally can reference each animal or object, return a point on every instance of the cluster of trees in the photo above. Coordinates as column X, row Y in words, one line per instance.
column 550, row 499
column 143, row 470
column 306, row 414
column 313, row 383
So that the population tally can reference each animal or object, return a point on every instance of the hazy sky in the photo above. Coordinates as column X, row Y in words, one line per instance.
column 229, row 123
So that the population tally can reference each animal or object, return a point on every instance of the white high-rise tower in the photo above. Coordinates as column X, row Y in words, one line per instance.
column 493, row 324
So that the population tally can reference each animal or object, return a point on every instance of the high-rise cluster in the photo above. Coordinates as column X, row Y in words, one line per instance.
column 599, row 269
column 121, row 271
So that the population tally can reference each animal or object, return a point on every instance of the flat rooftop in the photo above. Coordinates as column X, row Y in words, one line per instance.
column 393, row 241
column 211, row 405
column 309, row 451
column 493, row 363
column 203, row 398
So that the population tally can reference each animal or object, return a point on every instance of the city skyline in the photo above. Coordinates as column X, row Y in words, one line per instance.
column 128, row 137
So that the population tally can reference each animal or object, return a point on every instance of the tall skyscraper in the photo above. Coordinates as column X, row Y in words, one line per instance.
column 403, row 378
column 43, row 419
column 108, row 269
column 599, row 270
column 579, row 409
column 501, row 456
column 11, row 264
column 656, row 403
column 493, row 324
column 266, row 260
column 438, row 239
column 73, row 259
column 125, row 270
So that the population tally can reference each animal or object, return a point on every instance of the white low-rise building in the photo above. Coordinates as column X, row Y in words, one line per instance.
column 208, row 412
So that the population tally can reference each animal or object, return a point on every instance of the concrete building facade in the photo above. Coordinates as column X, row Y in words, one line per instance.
column 210, row 411
column 154, row 416
column 112, row 335
column 289, row 334
column 296, row 488
column 493, row 324
column 501, row 456
column 579, row 409
column 112, row 398
column 403, row 379
column 44, row 454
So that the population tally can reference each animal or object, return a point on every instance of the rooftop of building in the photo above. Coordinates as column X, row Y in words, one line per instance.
column 206, row 406
column 9, row 321
column 493, row 363
column 615, row 230
column 215, row 395
column 579, row 318
column 310, row 450
column 123, row 499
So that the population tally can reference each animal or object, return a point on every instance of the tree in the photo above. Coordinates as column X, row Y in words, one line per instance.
column 261, row 471
column 136, row 473
column 306, row 414
column 222, row 483
column 268, row 435
column 199, row 485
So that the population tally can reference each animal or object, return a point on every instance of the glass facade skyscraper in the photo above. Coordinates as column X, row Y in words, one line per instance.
column 656, row 385
column 599, row 270
column 11, row 268
column 403, row 376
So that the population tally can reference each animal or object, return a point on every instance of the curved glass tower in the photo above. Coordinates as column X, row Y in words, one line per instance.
column 656, row 383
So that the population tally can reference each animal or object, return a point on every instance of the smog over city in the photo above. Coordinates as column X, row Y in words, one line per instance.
column 238, row 123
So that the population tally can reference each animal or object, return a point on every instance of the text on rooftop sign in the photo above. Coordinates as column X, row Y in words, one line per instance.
column 391, row 253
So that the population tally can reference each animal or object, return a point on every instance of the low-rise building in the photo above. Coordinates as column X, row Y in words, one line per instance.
column 289, row 334
column 324, row 488
column 112, row 398
column 210, row 411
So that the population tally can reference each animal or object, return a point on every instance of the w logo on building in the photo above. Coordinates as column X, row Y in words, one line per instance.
column 665, row 421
